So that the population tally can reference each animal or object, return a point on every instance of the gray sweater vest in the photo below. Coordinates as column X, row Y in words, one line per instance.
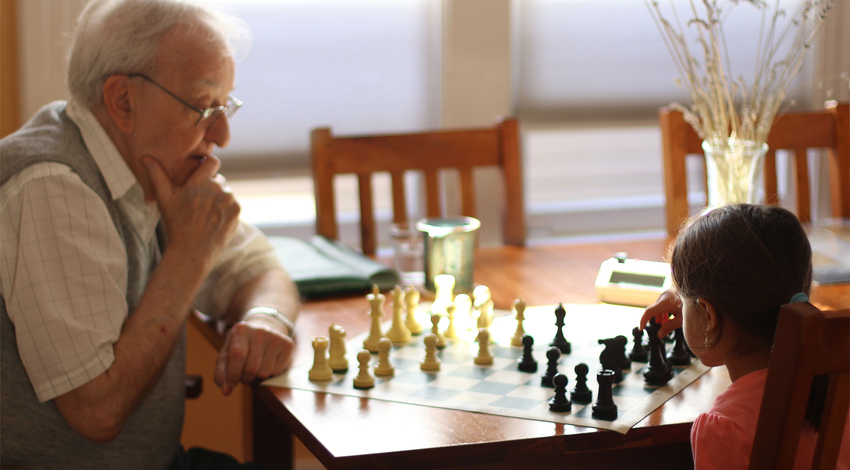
column 32, row 434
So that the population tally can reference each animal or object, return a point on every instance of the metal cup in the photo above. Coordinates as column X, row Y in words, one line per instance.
column 449, row 248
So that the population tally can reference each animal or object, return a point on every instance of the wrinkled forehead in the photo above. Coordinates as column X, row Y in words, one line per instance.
column 197, row 57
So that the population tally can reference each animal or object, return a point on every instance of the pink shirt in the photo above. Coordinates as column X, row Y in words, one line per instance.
column 723, row 437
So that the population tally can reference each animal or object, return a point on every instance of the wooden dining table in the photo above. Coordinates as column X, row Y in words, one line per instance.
column 347, row 432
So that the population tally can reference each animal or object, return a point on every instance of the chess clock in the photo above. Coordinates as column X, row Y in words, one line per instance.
column 626, row 281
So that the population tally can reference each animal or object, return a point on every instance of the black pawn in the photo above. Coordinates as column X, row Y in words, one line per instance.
column 560, row 341
column 560, row 403
column 527, row 363
column 639, row 352
column 605, row 408
column 581, row 394
column 658, row 372
column 553, row 355
column 679, row 355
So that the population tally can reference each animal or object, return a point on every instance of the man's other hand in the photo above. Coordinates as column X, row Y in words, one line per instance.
column 255, row 348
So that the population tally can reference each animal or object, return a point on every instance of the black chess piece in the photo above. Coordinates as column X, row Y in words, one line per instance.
column 679, row 355
column 638, row 352
column 553, row 355
column 605, row 408
column 560, row 403
column 658, row 372
column 527, row 363
column 560, row 341
column 581, row 393
column 611, row 357
column 625, row 360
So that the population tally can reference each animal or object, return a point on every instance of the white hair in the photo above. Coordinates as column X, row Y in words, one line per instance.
column 123, row 36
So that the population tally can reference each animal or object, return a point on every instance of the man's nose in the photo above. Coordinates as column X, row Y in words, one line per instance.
column 219, row 132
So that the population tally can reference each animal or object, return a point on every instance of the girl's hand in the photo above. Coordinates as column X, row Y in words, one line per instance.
column 667, row 311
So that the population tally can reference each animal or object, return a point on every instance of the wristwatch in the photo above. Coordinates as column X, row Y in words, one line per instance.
column 273, row 313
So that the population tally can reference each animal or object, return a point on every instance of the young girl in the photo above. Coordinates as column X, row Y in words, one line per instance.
column 733, row 269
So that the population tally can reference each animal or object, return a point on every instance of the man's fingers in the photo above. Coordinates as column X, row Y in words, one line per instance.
column 207, row 170
column 221, row 367
column 161, row 184
column 237, row 356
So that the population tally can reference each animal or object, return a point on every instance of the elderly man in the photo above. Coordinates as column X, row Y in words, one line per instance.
column 115, row 227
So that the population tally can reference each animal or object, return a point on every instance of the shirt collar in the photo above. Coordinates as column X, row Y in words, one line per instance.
column 118, row 176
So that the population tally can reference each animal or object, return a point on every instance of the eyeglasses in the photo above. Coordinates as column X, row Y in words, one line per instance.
column 208, row 116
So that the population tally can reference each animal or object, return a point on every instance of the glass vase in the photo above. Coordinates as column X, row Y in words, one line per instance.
column 733, row 171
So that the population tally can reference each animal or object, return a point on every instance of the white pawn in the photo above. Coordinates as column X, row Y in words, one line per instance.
column 443, row 284
column 399, row 333
column 450, row 330
column 364, row 378
column 435, row 330
column 320, row 370
column 484, row 304
column 376, row 299
column 337, row 360
column 463, row 312
column 431, row 361
column 519, row 308
column 384, row 367
column 411, row 300
column 484, row 355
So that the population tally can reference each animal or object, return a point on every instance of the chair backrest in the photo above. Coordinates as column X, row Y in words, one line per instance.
column 427, row 152
column 797, row 132
column 808, row 343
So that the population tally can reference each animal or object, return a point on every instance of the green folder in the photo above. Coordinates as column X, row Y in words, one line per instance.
column 321, row 267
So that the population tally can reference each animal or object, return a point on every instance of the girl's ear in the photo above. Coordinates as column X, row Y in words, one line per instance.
column 712, row 318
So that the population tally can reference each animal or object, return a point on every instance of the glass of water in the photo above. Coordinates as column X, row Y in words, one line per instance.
column 407, row 244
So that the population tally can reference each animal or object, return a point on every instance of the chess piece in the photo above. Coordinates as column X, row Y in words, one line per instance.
column 463, row 312
column 679, row 355
column 605, row 408
column 625, row 360
column 581, row 393
column 483, row 303
column 560, row 341
column 519, row 308
column 638, row 352
column 611, row 357
column 398, row 334
column 411, row 300
column 376, row 300
column 320, row 370
column 484, row 355
column 553, row 355
column 364, row 378
column 435, row 330
column 431, row 361
column 337, row 360
column 527, row 363
column 658, row 372
column 451, row 333
column 560, row 403
column 443, row 286
column 384, row 367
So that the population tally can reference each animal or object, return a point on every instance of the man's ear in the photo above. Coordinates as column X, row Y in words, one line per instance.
column 712, row 318
column 118, row 103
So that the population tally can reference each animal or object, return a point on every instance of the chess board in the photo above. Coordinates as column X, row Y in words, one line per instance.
column 500, row 388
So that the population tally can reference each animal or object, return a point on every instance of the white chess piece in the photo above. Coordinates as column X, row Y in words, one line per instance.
column 384, row 366
column 338, row 361
column 519, row 308
column 320, row 370
column 443, row 285
column 376, row 300
column 435, row 330
column 451, row 333
column 431, row 361
column 364, row 378
column 482, row 302
column 399, row 333
column 411, row 300
column 463, row 312
column 484, row 355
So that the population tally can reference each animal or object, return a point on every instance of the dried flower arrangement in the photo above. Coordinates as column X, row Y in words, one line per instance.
column 722, row 108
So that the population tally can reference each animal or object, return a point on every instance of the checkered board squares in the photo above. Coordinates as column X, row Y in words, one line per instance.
column 500, row 388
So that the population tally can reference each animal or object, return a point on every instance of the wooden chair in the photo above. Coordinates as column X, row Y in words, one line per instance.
column 808, row 343
column 792, row 131
column 427, row 152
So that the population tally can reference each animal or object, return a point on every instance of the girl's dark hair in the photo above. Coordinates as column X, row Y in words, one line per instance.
column 747, row 261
